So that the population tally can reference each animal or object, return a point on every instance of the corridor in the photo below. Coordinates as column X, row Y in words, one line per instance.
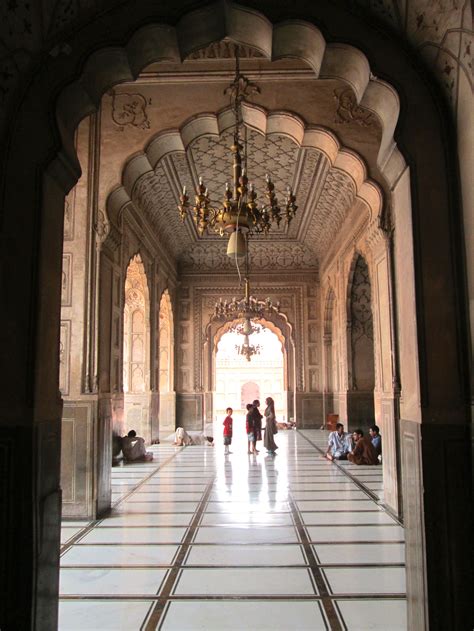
column 197, row 540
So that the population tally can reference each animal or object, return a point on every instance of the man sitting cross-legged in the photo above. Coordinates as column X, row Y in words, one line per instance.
column 364, row 452
column 337, row 444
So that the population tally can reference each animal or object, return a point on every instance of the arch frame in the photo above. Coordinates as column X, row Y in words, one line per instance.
column 431, row 196
column 280, row 326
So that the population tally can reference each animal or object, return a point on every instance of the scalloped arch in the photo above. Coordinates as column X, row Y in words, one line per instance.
column 288, row 39
column 268, row 124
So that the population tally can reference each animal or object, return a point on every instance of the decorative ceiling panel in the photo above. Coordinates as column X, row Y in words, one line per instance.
column 324, row 197
column 277, row 155
column 336, row 199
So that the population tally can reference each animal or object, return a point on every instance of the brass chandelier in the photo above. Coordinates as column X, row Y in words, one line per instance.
column 246, row 310
column 239, row 211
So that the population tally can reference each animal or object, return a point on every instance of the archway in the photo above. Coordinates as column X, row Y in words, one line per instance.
column 438, row 283
column 136, row 350
column 166, row 366
column 239, row 381
column 360, row 347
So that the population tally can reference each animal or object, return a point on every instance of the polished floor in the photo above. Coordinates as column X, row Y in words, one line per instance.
column 199, row 540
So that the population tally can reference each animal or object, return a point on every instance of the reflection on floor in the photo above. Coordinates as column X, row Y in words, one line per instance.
column 197, row 540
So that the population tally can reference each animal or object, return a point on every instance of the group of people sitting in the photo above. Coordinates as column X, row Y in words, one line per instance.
column 355, row 447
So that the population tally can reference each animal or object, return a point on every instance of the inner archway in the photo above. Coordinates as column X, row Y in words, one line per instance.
column 360, row 347
column 437, row 284
column 136, row 355
column 239, row 381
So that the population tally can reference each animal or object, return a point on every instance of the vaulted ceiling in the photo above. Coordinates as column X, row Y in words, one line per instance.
column 295, row 131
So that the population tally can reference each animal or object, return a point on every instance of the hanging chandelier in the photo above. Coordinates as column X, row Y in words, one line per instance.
column 245, row 310
column 247, row 350
column 239, row 211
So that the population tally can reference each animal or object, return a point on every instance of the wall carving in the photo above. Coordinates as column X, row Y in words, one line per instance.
column 224, row 50
column 337, row 198
column 69, row 215
column 349, row 111
column 66, row 280
column 64, row 353
column 263, row 256
column 129, row 109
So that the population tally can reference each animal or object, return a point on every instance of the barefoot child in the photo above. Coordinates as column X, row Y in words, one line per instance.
column 227, row 431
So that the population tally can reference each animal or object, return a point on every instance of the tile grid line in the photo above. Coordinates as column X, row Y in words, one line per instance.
column 318, row 577
column 82, row 533
column 154, row 617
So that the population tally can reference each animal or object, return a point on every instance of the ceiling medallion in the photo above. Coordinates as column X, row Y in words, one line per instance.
column 239, row 211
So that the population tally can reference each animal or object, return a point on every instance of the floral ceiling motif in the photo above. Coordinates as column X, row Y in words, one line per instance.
column 324, row 196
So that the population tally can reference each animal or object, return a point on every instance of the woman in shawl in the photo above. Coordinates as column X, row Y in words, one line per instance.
column 270, row 426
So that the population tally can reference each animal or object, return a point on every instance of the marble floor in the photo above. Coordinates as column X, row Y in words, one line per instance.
column 199, row 540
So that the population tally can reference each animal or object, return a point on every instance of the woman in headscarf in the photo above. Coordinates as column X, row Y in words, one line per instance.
column 270, row 426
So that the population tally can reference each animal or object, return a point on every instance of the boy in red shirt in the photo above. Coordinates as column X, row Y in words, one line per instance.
column 227, row 430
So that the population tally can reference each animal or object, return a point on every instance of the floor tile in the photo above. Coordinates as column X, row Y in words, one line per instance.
column 342, row 505
column 356, row 533
column 374, row 580
column 372, row 615
column 157, row 507
column 240, row 581
column 250, row 519
column 68, row 533
column 93, row 615
column 147, row 519
column 348, row 554
column 252, row 535
column 237, row 616
column 134, row 535
column 245, row 555
column 118, row 555
column 107, row 581
column 340, row 518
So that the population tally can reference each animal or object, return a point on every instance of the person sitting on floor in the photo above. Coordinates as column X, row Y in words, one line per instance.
column 133, row 448
column 363, row 452
column 183, row 439
column 337, row 444
column 374, row 432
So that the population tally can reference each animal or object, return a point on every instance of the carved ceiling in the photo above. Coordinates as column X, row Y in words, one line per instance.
column 325, row 195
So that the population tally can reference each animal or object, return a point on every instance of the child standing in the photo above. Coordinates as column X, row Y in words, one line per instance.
column 227, row 430
column 250, row 427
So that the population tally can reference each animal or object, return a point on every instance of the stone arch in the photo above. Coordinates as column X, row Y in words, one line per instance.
column 166, row 344
column 136, row 356
column 266, row 123
column 360, row 344
column 136, row 349
column 30, row 352
column 285, row 40
column 165, row 369
column 330, row 366
column 281, row 327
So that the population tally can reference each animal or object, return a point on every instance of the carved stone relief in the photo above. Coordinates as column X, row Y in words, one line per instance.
column 313, row 333
column 69, row 215
column 348, row 110
column 312, row 310
column 224, row 49
column 337, row 198
column 129, row 109
column 185, row 310
column 64, row 352
column 66, row 280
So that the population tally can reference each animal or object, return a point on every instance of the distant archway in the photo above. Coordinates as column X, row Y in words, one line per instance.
column 167, row 413
column 360, row 346
column 136, row 351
